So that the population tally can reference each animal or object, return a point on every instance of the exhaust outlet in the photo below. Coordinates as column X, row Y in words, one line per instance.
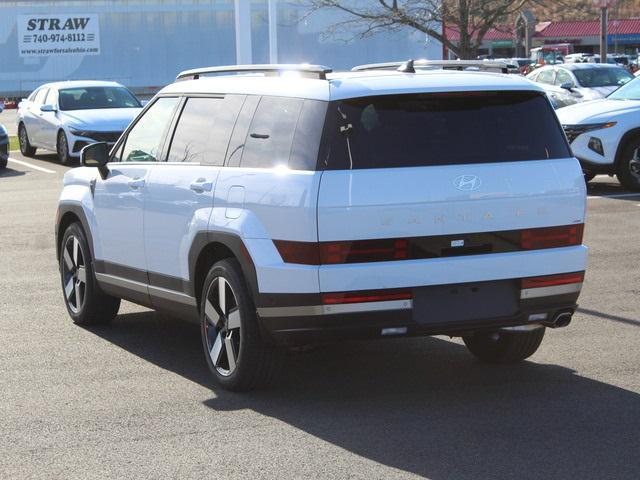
column 560, row 320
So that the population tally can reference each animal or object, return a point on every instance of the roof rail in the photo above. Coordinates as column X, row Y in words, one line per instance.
column 485, row 65
column 306, row 70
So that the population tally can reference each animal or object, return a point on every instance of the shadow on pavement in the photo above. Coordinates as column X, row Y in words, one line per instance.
column 10, row 172
column 608, row 316
column 604, row 186
column 424, row 405
column 53, row 159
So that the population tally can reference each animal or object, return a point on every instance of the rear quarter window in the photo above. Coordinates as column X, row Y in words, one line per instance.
column 441, row 129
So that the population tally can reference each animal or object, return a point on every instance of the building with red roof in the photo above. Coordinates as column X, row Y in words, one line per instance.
column 624, row 36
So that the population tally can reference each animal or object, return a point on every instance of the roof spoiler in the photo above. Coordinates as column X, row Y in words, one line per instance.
column 271, row 70
column 412, row 66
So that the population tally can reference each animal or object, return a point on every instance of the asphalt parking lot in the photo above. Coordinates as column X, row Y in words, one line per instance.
column 134, row 400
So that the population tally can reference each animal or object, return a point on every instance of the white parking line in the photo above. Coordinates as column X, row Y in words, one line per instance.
column 614, row 195
column 28, row 165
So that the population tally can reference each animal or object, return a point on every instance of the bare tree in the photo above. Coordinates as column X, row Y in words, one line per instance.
column 472, row 19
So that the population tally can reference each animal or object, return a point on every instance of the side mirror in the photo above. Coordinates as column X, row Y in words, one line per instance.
column 96, row 155
column 568, row 86
column 48, row 108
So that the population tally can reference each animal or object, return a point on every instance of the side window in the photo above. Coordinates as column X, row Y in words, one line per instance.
column 237, row 143
column 32, row 97
column 546, row 76
column 145, row 140
column 306, row 142
column 51, row 97
column 40, row 96
column 271, row 132
column 562, row 76
column 204, row 129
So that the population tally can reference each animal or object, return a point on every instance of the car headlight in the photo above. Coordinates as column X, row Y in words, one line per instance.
column 79, row 133
column 574, row 131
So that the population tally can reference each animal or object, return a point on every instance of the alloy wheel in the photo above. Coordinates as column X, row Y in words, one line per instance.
column 22, row 137
column 63, row 148
column 222, row 327
column 74, row 274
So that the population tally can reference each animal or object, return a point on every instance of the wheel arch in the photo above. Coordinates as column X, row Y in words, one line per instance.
column 68, row 214
column 211, row 247
column 629, row 135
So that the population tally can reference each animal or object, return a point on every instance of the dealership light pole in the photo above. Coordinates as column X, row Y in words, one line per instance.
column 273, row 31
column 243, row 32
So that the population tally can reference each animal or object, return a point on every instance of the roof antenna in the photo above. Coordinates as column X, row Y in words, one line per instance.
column 407, row 67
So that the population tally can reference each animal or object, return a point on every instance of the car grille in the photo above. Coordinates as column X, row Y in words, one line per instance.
column 110, row 137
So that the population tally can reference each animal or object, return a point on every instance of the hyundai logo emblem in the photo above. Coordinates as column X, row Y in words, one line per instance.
column 467, row 183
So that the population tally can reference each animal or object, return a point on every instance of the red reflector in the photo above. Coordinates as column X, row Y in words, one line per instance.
column 551, row 237
column 363, row 297
column 552, row 280
column 298, row 252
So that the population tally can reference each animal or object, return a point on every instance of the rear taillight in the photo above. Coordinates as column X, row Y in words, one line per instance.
column 551, row 237
column 364, row 297
column 364, row 251
column 357, row 251
column 552, row 280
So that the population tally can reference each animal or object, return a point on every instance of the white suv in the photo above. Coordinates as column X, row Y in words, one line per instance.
column 605, row 134
column 293, row 206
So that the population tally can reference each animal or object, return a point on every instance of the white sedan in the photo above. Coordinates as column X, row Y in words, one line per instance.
column 571, row 83
column 605, row 134
column 66, row 116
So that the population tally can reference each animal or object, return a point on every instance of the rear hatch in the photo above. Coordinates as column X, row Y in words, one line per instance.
column 427, row 176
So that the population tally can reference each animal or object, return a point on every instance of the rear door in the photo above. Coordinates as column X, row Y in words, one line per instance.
column 33, row 117
column 429, row 165
column 179, row 195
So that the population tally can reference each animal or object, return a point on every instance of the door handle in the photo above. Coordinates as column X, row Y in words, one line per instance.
column 136, row 183
column 201, row 185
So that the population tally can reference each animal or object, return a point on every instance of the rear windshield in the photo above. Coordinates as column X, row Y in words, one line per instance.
column 440, row 129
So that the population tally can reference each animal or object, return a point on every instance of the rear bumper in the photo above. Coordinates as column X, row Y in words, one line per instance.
column 450, row 310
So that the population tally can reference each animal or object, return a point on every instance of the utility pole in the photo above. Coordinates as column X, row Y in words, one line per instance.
column 604, row 5
column 273, row 31
column 604, row 20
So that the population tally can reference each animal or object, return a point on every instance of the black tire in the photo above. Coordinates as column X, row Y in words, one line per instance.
column 628, row 167
column 504, row 346
column 4, row 156
column 86, row 304
column 62, row 147
column 23, row 139
column 250, row 362
column 588, row 176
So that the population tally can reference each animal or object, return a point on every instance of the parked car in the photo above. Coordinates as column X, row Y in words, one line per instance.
column 572, row 83
column 66, row 116
column 287, row 210
column 4, row 147
column 4, row 143
column 605, row 134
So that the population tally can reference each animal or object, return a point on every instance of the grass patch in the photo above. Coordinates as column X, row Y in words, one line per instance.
column 13, row 143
